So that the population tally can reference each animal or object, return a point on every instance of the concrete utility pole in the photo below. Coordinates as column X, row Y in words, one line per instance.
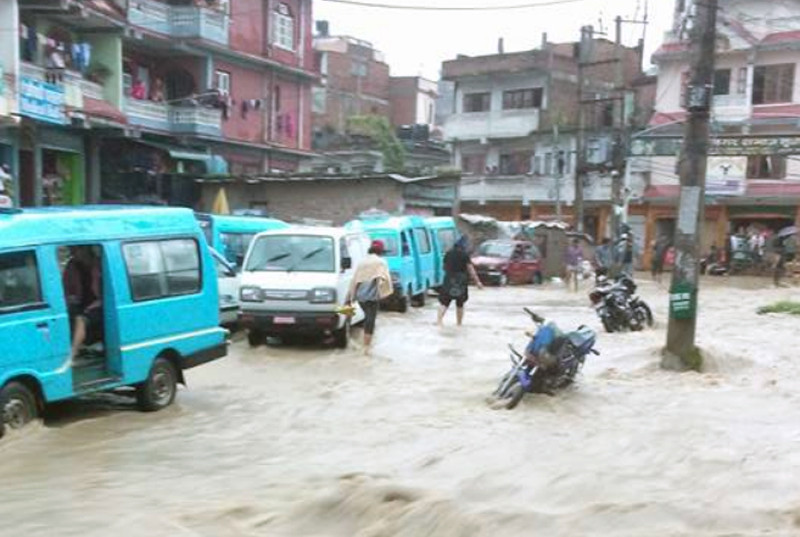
column 619, row 124
column 681, row 352
column 580, row 149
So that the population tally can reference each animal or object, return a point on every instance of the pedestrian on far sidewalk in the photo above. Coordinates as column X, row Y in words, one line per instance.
column 371, row 282
column 787, row 251
column 458, row 269
column 573, row 259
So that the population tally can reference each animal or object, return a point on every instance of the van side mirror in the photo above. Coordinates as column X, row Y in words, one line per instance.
column 347, row 263
column 239, row 260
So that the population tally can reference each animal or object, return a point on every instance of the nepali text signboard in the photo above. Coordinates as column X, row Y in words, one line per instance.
column 683, row 301
column 41, row 100
column 727, row 146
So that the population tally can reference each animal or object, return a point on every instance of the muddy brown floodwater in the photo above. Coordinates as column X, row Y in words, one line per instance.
column 313, row 442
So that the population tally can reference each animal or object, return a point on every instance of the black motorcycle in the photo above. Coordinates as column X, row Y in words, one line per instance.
column 618, row 306
column 550, row 362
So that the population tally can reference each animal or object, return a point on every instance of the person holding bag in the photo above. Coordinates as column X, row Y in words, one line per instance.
column 458, row 269
column 371, row 283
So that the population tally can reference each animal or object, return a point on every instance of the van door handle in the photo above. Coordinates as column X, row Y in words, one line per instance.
column 42, row 325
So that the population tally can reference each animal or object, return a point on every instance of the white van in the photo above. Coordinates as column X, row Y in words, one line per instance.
column 294, row 280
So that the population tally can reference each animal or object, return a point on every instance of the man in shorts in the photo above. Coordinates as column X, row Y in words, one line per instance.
column 458, row 269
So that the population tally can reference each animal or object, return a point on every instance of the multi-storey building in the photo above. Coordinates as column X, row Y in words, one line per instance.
column 355, row 82
column 513, row 127
column 120, row 100
column 754, row 155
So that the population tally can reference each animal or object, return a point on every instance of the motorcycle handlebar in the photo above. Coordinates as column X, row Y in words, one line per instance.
column 536, row 318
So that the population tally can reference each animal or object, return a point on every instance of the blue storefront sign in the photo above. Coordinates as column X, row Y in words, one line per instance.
column 41, row 100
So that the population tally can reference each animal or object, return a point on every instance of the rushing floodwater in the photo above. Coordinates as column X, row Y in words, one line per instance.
column 313, row 442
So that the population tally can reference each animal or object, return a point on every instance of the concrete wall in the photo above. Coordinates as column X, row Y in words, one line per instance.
column 334, row 200
column 9, row 42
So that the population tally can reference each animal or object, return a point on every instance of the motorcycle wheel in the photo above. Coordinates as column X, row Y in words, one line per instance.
column 513, row 396
column 644, row 310
column 607, row 325
column 499, row 391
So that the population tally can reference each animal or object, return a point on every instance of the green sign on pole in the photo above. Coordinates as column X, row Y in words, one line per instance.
column 683, row 301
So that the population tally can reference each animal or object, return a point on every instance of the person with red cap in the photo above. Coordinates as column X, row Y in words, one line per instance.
column 371, row 283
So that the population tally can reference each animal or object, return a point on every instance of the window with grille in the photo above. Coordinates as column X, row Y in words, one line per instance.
column 522, row 98
column 477, row 102
column 283, row 27
column 773, row 83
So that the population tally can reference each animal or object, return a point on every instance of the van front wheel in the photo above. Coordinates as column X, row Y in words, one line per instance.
column 159, row 390
column 18, row 405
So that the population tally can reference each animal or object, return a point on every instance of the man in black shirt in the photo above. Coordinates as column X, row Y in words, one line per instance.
column 458, row 269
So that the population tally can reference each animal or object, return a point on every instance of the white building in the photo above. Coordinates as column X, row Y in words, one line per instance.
column 754, row 164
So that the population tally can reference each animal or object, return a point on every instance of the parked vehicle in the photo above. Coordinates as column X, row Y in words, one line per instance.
column 154, row 274
column 231, row 235
column 409, row 254
column 295, row 281
column 551, row 361
column 444, row 235
column 228, row 286
column 500, row 262
column 618, row 306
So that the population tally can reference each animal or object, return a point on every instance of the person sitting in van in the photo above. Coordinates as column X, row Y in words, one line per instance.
column 371, row 283
column 83, row 289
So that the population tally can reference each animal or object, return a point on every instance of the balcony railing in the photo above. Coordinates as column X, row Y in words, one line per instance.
column 493, row 124
column 173, row 118
column 179, row 21
column 525, row 188
column 196, row 120
column 92, row 90
column 47, row 94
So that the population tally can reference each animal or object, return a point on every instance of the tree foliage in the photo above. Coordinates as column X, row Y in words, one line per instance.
column 379, row 129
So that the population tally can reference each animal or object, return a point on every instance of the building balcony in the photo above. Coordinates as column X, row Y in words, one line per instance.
column 730, row 107
column 176, row 119
column 46, row 95
column 196, row 120
column 185, row 22
column 8, row 96
column 494, row 124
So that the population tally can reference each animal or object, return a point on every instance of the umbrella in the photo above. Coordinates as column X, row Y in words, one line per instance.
column 221, row 203
column 789, row 230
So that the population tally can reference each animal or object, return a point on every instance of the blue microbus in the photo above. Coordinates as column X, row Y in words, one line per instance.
column 132, row 289
column 444, row 235
column 231, row 235
column 409, row 254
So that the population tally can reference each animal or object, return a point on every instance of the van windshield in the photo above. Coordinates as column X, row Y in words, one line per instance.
column 389, row 244
column 234, row 245
column 288, row 253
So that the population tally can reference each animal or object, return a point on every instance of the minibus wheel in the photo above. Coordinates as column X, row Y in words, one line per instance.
column 342, row 336
column 159, row 390
column 18, row 405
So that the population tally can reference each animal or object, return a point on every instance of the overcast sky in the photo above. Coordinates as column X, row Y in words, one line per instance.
column 416, row 42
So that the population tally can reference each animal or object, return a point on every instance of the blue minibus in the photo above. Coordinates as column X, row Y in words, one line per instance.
column 97, row 298
column 444, row 235
column 409, row 254
column 231, row 235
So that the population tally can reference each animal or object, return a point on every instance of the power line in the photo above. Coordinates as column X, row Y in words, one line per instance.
column 454, row 8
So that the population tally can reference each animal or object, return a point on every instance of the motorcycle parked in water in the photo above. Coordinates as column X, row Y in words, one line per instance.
column 618, row 306
column 551, row 361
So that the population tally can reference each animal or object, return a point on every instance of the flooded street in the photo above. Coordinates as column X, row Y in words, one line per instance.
column 313, row 442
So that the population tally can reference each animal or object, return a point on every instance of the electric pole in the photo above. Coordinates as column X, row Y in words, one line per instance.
column 619, row 124
column 681, row 352
column 584, row 47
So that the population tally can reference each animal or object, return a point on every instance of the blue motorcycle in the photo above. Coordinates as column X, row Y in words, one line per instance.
column 551, row 361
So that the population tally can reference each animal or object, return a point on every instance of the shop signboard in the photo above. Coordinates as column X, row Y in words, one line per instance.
column 726, row 176
column 41, row 100
column 727, row 146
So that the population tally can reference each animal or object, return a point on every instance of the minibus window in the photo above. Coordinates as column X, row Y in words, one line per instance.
column 19, row 282
column 447, row 238
column 423, row 240
column 164, row 268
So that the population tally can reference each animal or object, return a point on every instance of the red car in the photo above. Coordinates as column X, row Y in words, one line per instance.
column 501, row 262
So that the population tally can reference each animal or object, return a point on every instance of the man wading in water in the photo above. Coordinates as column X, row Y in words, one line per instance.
column 371, row 283
column 458, row 269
